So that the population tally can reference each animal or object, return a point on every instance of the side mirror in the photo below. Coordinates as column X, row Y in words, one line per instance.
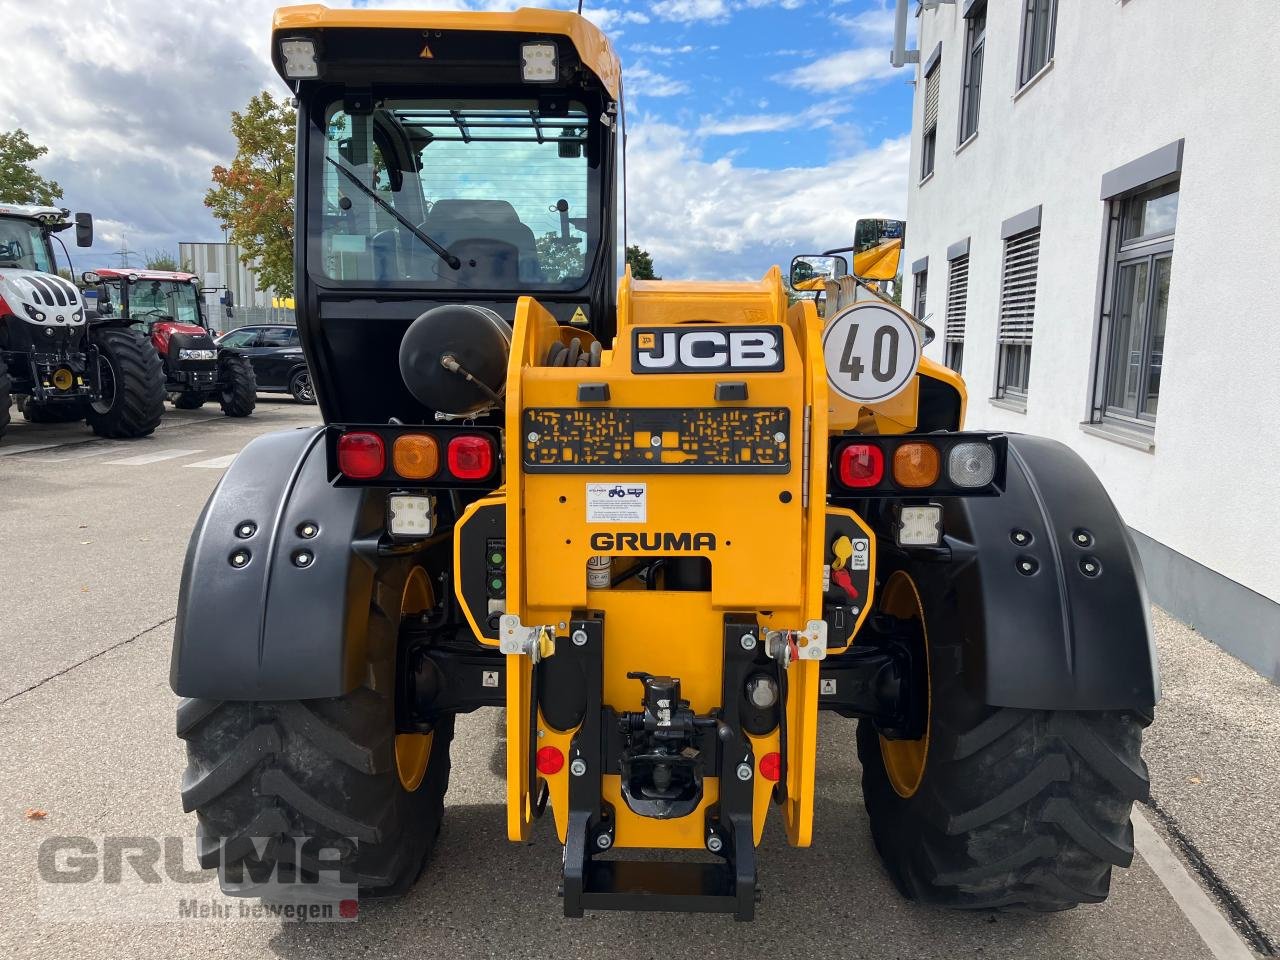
column 877, row 248
column 812, row 271
column 84, row 229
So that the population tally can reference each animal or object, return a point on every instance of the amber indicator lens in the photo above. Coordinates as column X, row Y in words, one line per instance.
column 916, row 465
column 415, row 456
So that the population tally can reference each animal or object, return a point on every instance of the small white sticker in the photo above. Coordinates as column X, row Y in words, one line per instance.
column 861, row 559
column 827, row 688
column 617, row 503
column 489, row 678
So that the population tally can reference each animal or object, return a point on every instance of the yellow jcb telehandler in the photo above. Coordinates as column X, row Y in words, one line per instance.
column 662, row 524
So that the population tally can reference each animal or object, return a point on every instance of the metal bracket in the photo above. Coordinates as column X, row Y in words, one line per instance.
column 535, row 642
column 807, row 644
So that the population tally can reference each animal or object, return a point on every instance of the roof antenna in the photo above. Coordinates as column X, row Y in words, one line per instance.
column 579, row 7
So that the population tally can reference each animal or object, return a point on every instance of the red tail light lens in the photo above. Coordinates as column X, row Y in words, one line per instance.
column 861, row 465
column 470, row 457
column 5, row 309
column 549, row 760
column 361, row 456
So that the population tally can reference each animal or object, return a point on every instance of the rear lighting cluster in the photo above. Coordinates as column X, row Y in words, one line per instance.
column 958, row 463
column 440, row 457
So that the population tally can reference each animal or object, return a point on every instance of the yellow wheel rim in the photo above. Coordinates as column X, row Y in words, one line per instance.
column 904, row 760
column 413, row 750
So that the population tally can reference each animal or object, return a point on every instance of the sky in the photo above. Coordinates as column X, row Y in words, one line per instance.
column 758, row 129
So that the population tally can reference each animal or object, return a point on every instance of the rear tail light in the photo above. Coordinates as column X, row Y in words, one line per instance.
column 361, row 456
column 5, row 309
column 861, row 465
column 470, row 457
column 415, row 456
column 971, row 464
column 916, row 465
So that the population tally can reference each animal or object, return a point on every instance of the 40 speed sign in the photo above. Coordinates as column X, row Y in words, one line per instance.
column 871, row 351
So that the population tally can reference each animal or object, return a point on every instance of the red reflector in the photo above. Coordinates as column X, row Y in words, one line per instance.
column 5, row 309
column 470, row 457
column 861, row 465
column 771, row 766
column 550, row 760
column 361, row 456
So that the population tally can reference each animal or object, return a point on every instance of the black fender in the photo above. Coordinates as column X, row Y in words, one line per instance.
column 1049, row 590
column 275, row 629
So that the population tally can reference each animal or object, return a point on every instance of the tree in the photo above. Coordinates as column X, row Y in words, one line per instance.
column 559, row 257
column 156, row 260
column 641, row 263
column 19, row 183
column 253, row 198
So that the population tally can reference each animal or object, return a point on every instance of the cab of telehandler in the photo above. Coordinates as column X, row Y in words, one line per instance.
column 663, row 525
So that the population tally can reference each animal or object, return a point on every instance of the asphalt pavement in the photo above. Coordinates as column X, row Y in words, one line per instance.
column 92, row 536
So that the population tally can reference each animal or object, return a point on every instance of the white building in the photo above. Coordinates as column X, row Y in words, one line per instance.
column 1094, row 231
column 219, row 265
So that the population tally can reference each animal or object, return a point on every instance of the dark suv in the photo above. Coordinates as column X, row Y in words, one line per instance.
column 276, row 355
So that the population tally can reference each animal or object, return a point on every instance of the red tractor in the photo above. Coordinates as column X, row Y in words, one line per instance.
column 169, row 308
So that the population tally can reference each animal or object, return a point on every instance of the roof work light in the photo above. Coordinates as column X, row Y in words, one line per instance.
column 298, row 54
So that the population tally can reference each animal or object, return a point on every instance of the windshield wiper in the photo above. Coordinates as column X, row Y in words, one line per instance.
column 404, row 221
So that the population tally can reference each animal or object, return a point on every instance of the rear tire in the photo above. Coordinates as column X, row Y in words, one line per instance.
column 300, row 387
column 239, row 386
column 132, row 401
column 188, row 401
column 322, row 768
column 1014, row 808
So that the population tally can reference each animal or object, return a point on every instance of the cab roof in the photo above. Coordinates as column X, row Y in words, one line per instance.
column 593, row 48
column 58, row 214
column 127, row 274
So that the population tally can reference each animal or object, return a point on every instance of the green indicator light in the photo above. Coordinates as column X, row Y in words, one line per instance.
column 496, row 559
column 495, row 584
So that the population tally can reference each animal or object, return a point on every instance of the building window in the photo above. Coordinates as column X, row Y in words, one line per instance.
column 975, row 42
column 1017, row 314
column 957, row 301
column 1141, row 252
column 921, row 293
column 1039, row 18
column 929, row 142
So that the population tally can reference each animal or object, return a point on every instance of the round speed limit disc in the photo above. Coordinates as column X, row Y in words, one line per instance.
column 871, row 352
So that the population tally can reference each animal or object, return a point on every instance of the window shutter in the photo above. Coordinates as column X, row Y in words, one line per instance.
column 957, row 299
column 932, row 83
column 1018, row 289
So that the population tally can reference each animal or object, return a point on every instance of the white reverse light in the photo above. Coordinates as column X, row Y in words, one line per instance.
column 920, row 526
column 539, row 65
column 299, row 58
column 971, row 464
column 411, row 515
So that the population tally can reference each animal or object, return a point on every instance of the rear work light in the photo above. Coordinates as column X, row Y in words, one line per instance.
column 470, row 457
column 861, row 465
column 361, row 456
column 415, row 456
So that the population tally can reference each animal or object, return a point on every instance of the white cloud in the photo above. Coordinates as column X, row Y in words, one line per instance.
column 658, row 50
column 842, row 71
column 643, row 82
column 704, row 217
column 686, row 11
column 815, row 117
